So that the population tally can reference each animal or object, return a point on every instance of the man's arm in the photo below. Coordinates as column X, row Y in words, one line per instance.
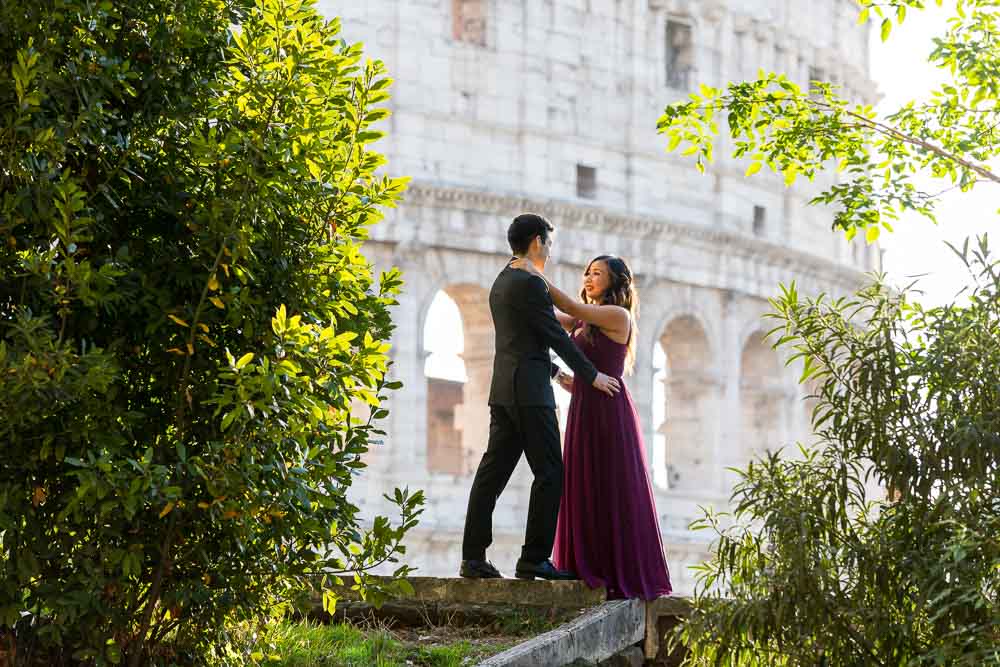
column 537, row 308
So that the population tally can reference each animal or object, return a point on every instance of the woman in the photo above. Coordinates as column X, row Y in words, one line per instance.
column 607, row 532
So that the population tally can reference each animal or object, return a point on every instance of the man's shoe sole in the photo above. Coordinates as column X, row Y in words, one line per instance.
column 529, row 577
column 480, row 576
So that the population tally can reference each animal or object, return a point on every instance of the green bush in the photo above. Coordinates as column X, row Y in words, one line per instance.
column 811, row 570
column 185, row 319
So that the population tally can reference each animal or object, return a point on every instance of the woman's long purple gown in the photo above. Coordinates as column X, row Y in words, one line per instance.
column 608, row 531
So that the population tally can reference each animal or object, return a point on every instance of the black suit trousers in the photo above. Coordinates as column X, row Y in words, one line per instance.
column 533, row 431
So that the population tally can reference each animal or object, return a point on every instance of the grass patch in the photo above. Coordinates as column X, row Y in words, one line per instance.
column 528, row 624
column 380, row 643
column 311, row 644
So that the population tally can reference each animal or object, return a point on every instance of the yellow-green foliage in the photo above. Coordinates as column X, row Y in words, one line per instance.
column 798, row 131
column 186, row 318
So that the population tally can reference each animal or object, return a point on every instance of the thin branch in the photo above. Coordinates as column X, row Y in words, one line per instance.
column 915, row 141
column 138, row 646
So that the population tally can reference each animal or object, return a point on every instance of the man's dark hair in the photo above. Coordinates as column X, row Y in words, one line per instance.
column 525, row 228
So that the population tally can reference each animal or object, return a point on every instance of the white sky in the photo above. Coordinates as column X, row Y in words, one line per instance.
column 902, row 73
column 900, row 68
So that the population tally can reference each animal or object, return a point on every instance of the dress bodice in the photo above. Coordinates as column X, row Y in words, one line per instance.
column 606, row 355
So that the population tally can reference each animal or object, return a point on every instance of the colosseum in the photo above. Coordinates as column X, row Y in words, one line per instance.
column 506, row 106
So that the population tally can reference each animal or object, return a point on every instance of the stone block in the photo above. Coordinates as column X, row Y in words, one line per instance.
column 552, row 594
column 468, row 601
column 662, row 616
column 630, row 657
column 593, row 637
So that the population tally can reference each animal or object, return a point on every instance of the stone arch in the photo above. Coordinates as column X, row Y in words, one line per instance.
column 457, row 410
column 691, row 397
column 762, row 397
column 663, row 302
column 691, row 311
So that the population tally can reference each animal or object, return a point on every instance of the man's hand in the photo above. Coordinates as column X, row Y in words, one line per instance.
column 607, row 384
column 526, row 265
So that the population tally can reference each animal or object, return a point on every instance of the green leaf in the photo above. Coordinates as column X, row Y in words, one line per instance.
column 753, row 168
column 228, row 419
column 886, row 29
column 790, row 174
column 235, row 130
column 406, row 587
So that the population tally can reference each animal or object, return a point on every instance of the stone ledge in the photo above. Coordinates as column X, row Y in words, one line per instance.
column 537, row 593
column 603, row 219
column 596, row 636
column 604, row 629
column 468, row 601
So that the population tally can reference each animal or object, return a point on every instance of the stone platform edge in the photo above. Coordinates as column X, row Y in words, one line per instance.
column 601, row 633
column 544, row 594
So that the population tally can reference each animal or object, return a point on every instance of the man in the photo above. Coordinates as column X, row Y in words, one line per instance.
column 523, row 408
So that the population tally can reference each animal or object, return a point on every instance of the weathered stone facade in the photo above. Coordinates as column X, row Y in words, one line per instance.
column 506, row 106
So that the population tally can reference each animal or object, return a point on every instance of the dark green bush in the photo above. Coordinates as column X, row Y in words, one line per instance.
column 185, row 319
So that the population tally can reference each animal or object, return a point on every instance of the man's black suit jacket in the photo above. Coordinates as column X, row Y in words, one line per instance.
column 526, row 328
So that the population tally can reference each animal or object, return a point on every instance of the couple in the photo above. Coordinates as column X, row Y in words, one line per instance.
column 599, row 513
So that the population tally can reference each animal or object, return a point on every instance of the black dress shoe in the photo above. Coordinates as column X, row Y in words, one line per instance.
column 479, row 569
column 543, row 570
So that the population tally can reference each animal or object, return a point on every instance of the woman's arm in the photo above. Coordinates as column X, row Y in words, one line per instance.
column 609, row 318
column 612, row 319
column 567, row 321
column 565, row 381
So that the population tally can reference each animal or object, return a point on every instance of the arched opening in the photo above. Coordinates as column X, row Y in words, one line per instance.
column 762, row 398
column 686, row 399
column 458, row 344
column 444, row 369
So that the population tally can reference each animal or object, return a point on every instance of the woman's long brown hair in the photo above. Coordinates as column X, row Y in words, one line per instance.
column 622, row 293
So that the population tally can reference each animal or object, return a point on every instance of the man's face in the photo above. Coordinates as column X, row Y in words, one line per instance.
column 545, row 247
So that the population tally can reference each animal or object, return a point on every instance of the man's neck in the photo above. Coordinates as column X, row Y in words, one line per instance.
column 538, row 265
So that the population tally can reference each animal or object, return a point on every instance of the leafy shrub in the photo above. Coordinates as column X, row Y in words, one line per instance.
column 812, row 570
column 185, row 319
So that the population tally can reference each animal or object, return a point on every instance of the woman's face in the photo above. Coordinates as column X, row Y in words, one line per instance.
column 596, row 280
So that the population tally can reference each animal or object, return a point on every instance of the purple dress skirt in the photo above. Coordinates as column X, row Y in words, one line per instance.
column 608, row 531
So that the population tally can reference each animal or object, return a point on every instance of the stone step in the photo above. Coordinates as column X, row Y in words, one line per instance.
column 470, row 601
column 597, row 635
column 608, row 635
column 601, row 630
